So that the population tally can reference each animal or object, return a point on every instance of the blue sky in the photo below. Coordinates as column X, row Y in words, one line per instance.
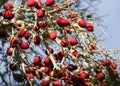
column 111, row 8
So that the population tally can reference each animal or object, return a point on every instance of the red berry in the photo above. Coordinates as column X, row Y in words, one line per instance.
column 89, row 27
column 51, row 50
column 115, row 73
column 51, row 73
column 47, row 61
column 29, row 76
column 57, row 83
column 60, row 54
column 100, row 62
column 18, row 77
column 21, row 32
column 13, row 41
column 52, row 35
column 82, row 23
column 86, row 83
column 31, row 3
column 100, row 75
column 76, row 54
column 71, row 67
column 104, row 83
column 38, row 75
column 13, row 66
column 55, row 57
column 68, row 75
column 57, row 8
column 66, row 29
column 27, row 35
column 45, row 82
column 72, row 41
column 42, row 24
column 3, row 33
column 107, row 62
column 29, row 69
column 7, row 5
column 113, row 65
column 45, row 70
column 9, row 51
column 84, row 75
column 7, row 14
column 38, row 5
column 73, row 14
column 64, row 42
column 36, row 60
column 62, row 22
column 91, row 47
column 40, row 13
column 24, row 45
column 63, row 68
column 49, row 2
column 37, row 40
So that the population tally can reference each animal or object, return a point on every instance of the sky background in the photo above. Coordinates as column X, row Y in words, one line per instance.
column 111, row 8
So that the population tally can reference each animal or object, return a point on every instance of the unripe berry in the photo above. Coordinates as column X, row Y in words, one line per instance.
column 24, row 45
column 49, row 2
column 52, row 35
column 40, row 13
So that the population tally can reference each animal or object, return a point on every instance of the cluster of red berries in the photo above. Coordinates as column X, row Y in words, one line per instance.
column 72, row 64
